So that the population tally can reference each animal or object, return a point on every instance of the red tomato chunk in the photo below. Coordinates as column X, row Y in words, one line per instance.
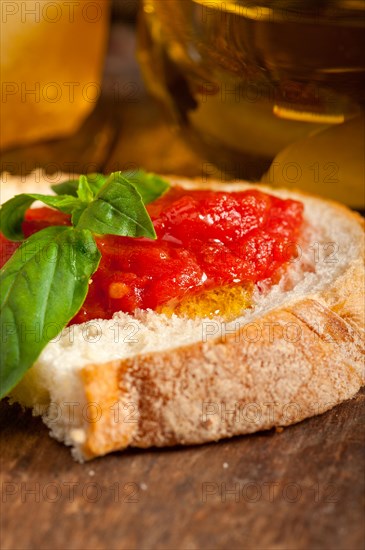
column 205, row 239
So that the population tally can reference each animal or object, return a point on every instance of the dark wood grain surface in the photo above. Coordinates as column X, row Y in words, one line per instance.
column 299, row 489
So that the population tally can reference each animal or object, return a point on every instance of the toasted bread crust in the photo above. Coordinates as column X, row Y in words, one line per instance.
column 294, row 362
column 231, row 386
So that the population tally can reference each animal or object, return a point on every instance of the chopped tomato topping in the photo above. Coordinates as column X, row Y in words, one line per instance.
column 206, row 239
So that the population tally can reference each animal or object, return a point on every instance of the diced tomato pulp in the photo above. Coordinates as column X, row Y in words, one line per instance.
column 40, row 218
column 205, row 239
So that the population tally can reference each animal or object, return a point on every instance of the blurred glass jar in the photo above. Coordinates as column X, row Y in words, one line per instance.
column 246, row 79
column 51, row 61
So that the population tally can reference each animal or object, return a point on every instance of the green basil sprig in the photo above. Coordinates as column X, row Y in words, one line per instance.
column 43, row 285
column 45, row 282
column 71, row 187
column 13, row 211
column 149, row 185
column 117, row 209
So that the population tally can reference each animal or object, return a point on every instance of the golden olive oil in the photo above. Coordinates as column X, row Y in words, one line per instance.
column 247, row 79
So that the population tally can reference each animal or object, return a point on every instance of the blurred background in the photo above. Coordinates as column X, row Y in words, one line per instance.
column 254, row 90
column 116, row 126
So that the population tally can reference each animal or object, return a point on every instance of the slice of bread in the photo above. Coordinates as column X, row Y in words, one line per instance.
column 154, row 380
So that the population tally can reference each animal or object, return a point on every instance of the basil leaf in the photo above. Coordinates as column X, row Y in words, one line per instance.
column 149, row 185
column 84, row 191
column 70, row 187
column 77, row 213
column 42, row 287
column 96, row 181
column 117, row 209
column 12, row 212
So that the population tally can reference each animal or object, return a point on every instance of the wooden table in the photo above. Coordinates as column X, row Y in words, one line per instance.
column 299, row 489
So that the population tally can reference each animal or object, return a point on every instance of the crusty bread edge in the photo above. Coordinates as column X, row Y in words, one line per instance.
column 187, row 395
